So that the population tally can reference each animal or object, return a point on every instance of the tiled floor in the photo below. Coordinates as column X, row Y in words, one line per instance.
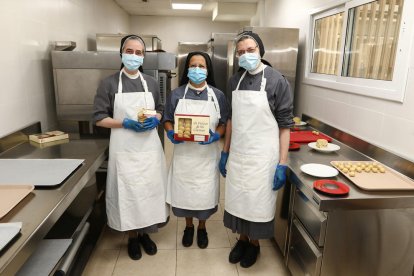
column 111, row 258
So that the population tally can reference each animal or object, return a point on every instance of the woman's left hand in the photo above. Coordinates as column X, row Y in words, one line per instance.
column 214, row 136
column 280, row 177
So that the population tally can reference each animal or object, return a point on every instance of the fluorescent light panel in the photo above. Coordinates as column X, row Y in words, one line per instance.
column 185, row 6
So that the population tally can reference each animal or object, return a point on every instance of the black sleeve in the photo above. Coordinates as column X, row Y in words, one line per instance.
column 102, row 106
column 283, row 104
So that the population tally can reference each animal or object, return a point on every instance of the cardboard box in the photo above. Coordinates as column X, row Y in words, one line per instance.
column 48, row 136
column 194, row 128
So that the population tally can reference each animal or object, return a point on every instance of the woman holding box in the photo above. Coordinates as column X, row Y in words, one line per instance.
column 193, row 178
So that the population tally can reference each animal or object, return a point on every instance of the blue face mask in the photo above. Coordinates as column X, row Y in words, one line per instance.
column 132, row 62
column 249, row 61
column 197, row 75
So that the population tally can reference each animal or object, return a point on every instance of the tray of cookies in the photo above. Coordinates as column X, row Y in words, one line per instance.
column 373, row 175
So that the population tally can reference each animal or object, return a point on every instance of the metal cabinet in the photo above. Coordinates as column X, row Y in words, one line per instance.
column 307, row 236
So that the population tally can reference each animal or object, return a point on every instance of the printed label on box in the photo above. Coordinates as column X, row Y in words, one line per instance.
column 189, row 127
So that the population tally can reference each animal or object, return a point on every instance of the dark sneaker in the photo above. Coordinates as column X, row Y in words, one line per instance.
column 237, row 253
column 202, row 239
column 250, row 256
column 134, row 251
column 188, row 236
column 149, row 246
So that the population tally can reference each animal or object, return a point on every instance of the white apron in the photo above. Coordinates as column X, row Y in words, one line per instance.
column 193, row 177
column 254, row 154
column 136, row 181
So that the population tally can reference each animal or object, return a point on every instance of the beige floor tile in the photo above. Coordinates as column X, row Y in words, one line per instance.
column 110, row 239
column 218, row 215
column 217, row 236
column 166, row 237
column 269, row 262
column 102, row 262
column 205, row 262
column 163, row 264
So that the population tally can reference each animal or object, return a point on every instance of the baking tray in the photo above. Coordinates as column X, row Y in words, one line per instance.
column 376, row 181
column 39, row 172
column 11, row 195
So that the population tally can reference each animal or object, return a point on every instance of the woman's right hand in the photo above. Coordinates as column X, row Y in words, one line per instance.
column 133, row 125
column 170, row 135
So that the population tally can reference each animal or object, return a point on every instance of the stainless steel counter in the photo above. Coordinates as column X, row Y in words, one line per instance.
column 363, row 233
column 42, row 208
column 357, row 198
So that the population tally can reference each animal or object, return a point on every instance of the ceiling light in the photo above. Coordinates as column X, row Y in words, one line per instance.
column 182, row 6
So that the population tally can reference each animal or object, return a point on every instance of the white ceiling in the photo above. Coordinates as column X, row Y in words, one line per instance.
column 226, row 10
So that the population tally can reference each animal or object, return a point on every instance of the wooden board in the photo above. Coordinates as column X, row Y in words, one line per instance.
column 11, row 195
column 376, row 181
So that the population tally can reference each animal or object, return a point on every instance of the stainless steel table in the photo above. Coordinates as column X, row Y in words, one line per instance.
column 364, row 233
column 42, row 208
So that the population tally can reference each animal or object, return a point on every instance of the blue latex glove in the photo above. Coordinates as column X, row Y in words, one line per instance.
column 170, row 135
column 223, row 161
column 151, row 123
column 280, row 177
column 214, row 136
column 133, row 125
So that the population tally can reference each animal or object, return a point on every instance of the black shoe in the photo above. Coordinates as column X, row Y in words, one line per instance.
column 149, row 246
column 202, row 239
column 250, row 256
column 188, row 236
column 237, row 253
column 134, row 251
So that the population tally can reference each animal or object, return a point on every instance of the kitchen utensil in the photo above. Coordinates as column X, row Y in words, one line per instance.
column 11, row 195
column 319, row 170
column 331, row 187
column 307, row 136
column 329, row 148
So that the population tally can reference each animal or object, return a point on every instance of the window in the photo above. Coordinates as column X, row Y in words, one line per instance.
column 327, row 43
column 361, row 46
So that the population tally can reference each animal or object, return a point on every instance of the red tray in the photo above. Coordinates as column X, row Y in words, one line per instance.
column 307, row 136
column 331, row 187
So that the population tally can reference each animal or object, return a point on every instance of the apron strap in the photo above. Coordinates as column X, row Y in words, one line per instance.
column 143, row 82
column 262, row 84
column 210, row 95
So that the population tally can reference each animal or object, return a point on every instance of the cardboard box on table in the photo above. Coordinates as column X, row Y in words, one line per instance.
column 196, row 127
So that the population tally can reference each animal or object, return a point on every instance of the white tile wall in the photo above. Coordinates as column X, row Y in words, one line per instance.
column 28, row 30
column 384, row 123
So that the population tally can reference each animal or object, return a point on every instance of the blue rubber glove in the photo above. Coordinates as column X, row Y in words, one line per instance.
column 133, row 125
column 170, row 135
column 223, row 161
column 280, row 177
column 214, row 136
column 151, row 123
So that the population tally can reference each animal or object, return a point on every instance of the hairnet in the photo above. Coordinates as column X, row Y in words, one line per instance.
column 255, row 37
column 210, row 72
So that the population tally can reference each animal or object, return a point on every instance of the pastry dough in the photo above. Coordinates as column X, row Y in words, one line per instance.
column 321, row 143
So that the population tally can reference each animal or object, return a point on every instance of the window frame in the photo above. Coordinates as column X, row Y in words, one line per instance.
column 389, row 90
